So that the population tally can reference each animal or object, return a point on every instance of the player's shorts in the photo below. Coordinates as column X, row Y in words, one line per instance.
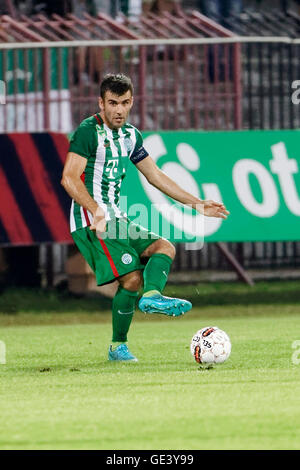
column 117, row 251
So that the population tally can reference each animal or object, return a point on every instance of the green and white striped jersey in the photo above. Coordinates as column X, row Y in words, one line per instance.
column 107, row 152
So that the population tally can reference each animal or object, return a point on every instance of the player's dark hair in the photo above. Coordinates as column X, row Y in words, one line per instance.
column 115, row 83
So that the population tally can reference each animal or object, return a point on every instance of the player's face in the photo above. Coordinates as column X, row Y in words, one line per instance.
column 115, row 109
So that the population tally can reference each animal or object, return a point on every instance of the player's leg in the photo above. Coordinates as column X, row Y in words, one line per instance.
column 161, row 254
column 111, row 259
column 123, row 308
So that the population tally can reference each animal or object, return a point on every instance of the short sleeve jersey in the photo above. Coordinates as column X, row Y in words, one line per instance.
column 107, row 152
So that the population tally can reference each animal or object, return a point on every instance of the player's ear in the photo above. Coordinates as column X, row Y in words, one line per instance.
column 100, row 102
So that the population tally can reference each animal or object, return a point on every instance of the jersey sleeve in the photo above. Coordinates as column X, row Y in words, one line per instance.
column 139, row 152
column 82, row 141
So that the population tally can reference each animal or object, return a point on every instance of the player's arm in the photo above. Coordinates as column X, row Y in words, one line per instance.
column 161, row 181
column 71, row 181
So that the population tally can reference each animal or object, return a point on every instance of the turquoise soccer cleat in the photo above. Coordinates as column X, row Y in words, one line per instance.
column 170, row 306
column 121, row 353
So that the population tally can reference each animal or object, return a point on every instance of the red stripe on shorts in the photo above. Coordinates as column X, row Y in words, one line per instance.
column 108, row 255
column 86, row 217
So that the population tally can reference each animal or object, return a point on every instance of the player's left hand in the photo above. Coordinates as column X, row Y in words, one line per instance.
column 213, row 209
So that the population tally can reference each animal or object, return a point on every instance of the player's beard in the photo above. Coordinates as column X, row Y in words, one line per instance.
column 114, row 123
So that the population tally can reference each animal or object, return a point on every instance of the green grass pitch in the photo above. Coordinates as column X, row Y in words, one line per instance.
column 58, row 391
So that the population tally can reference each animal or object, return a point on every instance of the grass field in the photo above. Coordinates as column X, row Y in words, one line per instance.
column 58, row 391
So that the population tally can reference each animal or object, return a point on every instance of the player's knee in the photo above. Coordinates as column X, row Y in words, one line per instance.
column 132, row 281
column 172, row 251
column 160, row 246
column 167, row 248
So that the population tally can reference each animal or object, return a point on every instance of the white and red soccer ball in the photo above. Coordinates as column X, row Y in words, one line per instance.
column 210, row 345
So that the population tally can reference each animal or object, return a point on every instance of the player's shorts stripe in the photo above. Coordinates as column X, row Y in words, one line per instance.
column 11, row 216
column 108, row 255
column 22, row 192
column 86, row 217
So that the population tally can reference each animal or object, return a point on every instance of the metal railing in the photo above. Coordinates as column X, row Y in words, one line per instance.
column 269, row 71
column 177, row 86
column 201, row 83
column 183, row 78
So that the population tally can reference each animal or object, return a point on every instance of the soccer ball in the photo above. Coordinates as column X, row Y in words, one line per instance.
column 210, row 345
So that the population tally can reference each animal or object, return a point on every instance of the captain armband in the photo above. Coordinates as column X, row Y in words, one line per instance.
column 139, row 155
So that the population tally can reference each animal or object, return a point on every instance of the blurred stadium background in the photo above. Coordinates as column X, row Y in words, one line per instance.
column 193, row 67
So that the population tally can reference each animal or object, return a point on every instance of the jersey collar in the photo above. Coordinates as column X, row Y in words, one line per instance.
column 98, row 119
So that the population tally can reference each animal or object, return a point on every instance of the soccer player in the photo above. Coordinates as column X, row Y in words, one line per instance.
column 99, row 152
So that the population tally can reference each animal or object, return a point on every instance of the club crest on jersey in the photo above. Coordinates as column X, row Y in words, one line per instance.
column 128, row 144
column 126, row 258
